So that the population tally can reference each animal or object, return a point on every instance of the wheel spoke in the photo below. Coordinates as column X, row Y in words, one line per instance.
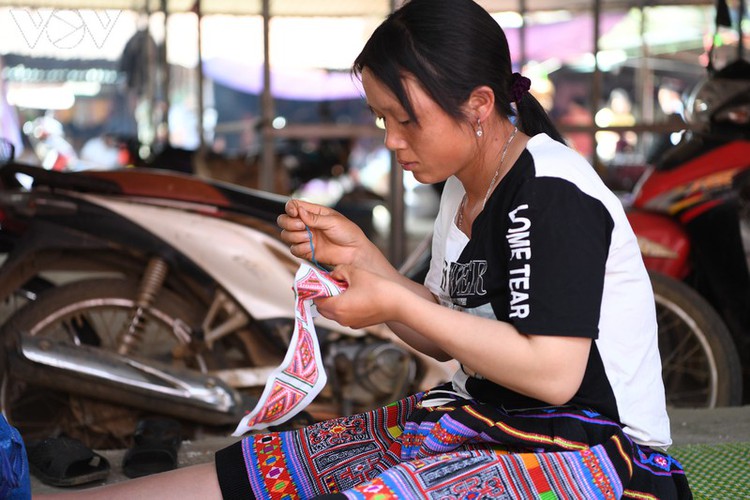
column 685, row 366
column 91, row 313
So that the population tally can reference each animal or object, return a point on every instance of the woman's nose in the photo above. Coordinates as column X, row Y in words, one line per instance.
column 393, row 141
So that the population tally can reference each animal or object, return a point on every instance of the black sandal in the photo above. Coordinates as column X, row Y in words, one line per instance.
column 64, row 461
column 155, row 444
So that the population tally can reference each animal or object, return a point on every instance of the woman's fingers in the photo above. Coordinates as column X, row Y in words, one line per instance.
column 307, row 228
column 293, row 207
column 317, row 219
column 295, row 236
column 301, row 250
column 288, row 223
column 342, row 273
column 300, row 215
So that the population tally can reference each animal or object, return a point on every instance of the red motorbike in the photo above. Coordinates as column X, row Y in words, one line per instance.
column 691, row 214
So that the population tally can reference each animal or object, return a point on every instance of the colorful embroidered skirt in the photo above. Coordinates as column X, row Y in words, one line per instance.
column 465, row 450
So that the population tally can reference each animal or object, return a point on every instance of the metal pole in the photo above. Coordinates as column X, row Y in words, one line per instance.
column 149, row 137
column 201, row 137
column 522, row 35
column 740, row 40
column 646, row 80
column 596, row 84
column 397, row 241
column 166, row 77
column 265, row 182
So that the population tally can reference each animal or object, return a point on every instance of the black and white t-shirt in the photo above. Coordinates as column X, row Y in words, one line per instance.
column 553, row 254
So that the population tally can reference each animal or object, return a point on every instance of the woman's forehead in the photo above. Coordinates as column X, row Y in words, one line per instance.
column 381, row 97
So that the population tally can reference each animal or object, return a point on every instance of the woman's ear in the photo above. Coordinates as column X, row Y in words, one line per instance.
column 481, row 103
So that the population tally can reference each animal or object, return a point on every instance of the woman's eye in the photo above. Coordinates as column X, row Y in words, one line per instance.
column 380, row 122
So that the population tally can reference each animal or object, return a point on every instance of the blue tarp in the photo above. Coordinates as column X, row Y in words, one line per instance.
column 14, row 465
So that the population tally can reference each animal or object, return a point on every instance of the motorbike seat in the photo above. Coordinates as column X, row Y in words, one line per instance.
column 157, row 184
column 690, row 148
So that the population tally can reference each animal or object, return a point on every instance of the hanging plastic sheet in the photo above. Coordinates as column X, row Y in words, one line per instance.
column 14, row 466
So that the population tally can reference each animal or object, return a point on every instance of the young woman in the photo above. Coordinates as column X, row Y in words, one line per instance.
column 536, row 287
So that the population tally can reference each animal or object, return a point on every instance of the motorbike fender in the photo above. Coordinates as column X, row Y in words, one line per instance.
column 38, row 249
column 664, row 244
column 255, row 268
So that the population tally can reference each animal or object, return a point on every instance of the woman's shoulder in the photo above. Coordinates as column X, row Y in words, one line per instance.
column 552, row 159
column 542, row 147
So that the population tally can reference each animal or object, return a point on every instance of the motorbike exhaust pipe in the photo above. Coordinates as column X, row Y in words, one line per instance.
column 128, row 381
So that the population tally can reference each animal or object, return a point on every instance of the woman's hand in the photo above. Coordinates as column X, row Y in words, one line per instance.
column 368, row 300
column 336, row 239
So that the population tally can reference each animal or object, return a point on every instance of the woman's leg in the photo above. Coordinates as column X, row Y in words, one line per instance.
column 195, row 482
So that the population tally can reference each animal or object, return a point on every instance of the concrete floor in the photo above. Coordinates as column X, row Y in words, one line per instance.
column 700, row 426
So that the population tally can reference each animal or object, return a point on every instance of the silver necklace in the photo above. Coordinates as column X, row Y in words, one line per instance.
column 460, row 221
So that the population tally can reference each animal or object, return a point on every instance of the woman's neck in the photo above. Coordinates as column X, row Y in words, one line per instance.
column 493, row 161
column 500, row 152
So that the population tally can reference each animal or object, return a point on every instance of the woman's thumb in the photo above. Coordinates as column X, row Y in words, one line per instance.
column 311, row 219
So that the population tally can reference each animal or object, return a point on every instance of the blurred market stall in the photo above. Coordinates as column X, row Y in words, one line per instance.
column 248, row 90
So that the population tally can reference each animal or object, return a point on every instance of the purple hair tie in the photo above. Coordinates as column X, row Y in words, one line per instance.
column 520, row 86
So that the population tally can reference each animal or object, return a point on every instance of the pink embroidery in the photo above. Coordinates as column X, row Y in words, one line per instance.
column 301, row 376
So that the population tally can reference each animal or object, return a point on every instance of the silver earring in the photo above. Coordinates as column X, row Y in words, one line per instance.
column 479, row 128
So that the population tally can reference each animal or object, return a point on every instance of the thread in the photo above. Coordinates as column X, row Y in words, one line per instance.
column 312, row 251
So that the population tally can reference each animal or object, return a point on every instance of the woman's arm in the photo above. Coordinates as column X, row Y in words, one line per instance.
column 548, row 368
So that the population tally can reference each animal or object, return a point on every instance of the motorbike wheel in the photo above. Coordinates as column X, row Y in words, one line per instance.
column 93, row 312
column 700, row 365
column 28, row 292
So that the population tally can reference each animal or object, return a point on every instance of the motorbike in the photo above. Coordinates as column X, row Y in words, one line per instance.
column 691, row 214
column 143, row 291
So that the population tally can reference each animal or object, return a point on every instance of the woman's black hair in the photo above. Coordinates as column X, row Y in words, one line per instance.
column 451, row 47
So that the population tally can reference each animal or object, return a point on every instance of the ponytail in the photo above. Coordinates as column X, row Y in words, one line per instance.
column 532, row 117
